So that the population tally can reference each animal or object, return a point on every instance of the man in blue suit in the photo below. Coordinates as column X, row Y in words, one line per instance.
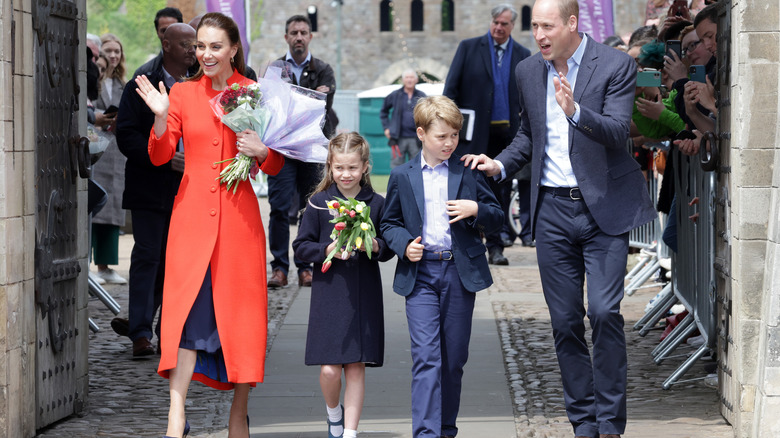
column 434, row 213
column 482, row 78
column 587, row 193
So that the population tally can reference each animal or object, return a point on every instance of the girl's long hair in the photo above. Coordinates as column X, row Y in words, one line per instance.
column 346, row 143
column 222, row 21
column 120, row 70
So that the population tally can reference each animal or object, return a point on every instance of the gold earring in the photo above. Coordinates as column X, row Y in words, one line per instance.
column 232, row 61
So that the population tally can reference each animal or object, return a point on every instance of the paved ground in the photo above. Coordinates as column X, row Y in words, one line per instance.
column 511, row 386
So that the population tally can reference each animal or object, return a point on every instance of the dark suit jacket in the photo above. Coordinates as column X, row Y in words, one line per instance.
column 609, row 178
column 470, row 84
column 402, row 222
column 147, row 187
column 394, row 101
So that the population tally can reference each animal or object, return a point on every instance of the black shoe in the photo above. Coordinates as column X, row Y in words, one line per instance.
column 507, row 242
column 529, row 243
column 121, row 326
column 497, row 257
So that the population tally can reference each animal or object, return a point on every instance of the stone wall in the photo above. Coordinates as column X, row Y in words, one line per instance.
column 17, row 223
column 755, row 218
column 371, row 58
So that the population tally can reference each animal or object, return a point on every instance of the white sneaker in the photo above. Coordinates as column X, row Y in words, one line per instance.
column 110, row 276
column 97, row 279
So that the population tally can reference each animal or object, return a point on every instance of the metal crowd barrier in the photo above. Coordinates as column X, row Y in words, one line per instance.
column 693, row 275
column 646, row 238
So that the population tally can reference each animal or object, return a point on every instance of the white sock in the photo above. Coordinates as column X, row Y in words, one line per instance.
column 334, row 415
column 349, row 433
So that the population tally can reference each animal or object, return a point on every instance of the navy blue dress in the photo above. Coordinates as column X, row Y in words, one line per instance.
column 346, row 315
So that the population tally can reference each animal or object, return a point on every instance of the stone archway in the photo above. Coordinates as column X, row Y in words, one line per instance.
column 425, row 65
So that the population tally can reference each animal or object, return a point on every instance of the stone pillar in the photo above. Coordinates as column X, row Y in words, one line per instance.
column 755, row 217
column 17, row 222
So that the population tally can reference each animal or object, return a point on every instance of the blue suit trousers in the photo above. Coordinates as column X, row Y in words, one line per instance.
column 147, row 271
column 570, row 248
column 439, row 312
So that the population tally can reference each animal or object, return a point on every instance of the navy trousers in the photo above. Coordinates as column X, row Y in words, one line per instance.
column 570, row 247
column 147, row 271
column 438, row 312
column 295, row 175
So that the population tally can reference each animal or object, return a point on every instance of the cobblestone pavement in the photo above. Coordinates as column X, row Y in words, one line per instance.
column 127, row 398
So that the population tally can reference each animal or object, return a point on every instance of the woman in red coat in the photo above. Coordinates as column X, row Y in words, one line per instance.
column 215, row 298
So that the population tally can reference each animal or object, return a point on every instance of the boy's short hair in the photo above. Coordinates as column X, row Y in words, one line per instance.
column 432, row 108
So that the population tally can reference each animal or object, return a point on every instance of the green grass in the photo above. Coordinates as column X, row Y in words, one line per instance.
column 379, row 182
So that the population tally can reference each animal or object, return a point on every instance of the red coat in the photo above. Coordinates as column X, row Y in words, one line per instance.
column 211, row 225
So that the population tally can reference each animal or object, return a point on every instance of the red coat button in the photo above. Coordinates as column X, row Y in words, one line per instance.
column 213, row 212
column 213, row 165
column 213, row 189
column 215, row 141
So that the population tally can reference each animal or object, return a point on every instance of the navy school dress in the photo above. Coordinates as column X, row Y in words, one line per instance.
column 346, row 314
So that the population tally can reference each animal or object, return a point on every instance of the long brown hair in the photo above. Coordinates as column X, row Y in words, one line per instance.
column 346, row 143
column 120, row 70
column 222, row 21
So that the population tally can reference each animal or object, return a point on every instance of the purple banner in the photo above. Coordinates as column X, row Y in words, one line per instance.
column 235, row 10
column 596, row 18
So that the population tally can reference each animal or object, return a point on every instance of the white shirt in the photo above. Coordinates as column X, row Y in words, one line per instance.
column 436, row 223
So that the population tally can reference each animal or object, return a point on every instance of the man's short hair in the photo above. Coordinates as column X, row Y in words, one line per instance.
column 167, row 12
column 500, row 9
column 409, row 71
column 296, row 19
column 710, row 12
column 432, row 108
column 94, row 38
column 569, row 8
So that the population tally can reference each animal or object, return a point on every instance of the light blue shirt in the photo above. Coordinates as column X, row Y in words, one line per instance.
column 297, row 69
column 436, row 223
column 556, row 169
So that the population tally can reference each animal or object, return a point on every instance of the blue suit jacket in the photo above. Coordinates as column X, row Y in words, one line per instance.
column 609, row 178
column 470, row 85
column 402, row 222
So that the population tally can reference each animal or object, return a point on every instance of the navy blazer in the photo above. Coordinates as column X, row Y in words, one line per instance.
column 609, row 178
column 397, row 102
column 402, row 222
column 470, row 85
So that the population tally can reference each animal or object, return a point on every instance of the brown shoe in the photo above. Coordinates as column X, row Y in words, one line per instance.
column 142, row 347
column 304, row 278
column 278, row 279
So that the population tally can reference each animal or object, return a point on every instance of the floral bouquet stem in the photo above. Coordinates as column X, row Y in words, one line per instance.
column 238, row 170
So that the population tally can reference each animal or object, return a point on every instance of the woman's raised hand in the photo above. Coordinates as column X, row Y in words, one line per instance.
column 156, row 100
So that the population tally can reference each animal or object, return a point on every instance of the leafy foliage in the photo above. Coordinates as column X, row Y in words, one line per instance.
column 132, row 22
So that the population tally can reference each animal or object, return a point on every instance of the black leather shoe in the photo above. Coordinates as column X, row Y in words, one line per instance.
column 507, row 242
column 142, row 347
column 529, row 243
column 497, row 257
column 121, row 326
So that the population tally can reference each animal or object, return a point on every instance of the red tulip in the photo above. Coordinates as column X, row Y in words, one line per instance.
column 326, row 266
column 340, row 226
column 336, row 205
column 352, row 213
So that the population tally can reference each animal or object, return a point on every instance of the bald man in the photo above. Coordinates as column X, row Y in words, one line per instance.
column 150, row 190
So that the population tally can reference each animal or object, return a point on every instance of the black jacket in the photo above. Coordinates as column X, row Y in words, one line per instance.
column 317, row 72
column 147, row 187
column 396, row 100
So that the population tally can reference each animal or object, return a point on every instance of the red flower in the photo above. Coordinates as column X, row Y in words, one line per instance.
column 326, row 266
column 352, row 213
column 336, row 205
column 340, row 226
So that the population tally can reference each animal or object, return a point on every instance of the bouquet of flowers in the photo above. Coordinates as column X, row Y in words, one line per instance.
column 240, row 108
column 285, row 118
column 353, row 227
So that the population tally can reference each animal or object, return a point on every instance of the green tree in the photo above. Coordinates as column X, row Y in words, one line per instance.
column 131, row 21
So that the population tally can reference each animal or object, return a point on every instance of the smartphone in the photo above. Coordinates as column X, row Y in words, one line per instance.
column 648, row 78
column 698, row 74
column 685, row 134
column 674, row 46
column 111, row 110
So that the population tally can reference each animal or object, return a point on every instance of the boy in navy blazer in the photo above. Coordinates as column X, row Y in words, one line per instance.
column 434, row 213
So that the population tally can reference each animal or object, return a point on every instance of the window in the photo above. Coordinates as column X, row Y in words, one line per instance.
column 385, row 16
column 447, row 16
column 417, row 15
column 525, row 19
column 312, row 13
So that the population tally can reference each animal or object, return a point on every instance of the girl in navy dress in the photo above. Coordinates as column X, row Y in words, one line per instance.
column 346, row 321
